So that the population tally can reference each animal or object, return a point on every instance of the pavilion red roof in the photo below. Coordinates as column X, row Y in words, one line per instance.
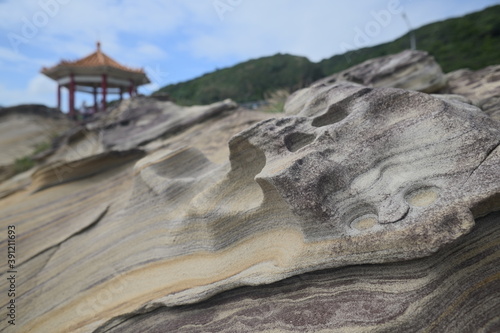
column 94, row 62
column 99, row 58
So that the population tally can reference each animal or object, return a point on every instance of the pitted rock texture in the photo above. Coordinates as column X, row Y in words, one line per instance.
column 361, row 161
column 362, row 175
column 410, row 69
column 482, row 87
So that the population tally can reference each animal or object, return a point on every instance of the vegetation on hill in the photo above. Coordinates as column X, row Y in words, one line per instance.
column 471, row 41
column 248, row 81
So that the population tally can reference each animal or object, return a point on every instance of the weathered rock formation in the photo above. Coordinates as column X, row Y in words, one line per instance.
column 414, row 70
column 482, row 87
column 132, row 124
column 456, row 290
column 24, row 127
column 140, row 121
column 357, row 176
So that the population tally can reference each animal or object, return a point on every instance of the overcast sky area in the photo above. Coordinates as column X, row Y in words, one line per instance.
column 177, row 40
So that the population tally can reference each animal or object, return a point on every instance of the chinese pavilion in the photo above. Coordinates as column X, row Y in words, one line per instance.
column 95, row 74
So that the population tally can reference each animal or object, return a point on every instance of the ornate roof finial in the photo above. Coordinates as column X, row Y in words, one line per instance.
column 98, row 46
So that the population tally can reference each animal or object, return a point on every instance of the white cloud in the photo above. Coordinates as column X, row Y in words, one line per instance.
column 176, row 35
column 150, row 51
column 70, row 16
column 247, row 29
column 74, row 26
column 17, row 64
column 10, row 96
column 8, row 54
column 149, row 88
column 261, row 28
column 41, row 85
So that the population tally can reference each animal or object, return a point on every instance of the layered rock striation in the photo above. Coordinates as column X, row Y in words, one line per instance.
column 364, row 208
column 358, row 176
column 456, row 290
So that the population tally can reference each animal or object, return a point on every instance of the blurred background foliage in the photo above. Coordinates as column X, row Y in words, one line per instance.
column 471, row 41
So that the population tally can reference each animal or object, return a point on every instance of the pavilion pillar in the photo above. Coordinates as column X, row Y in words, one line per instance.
column 121, row 94
column 104, row 86
column 58, row 96
column 94, row 92
column 72, row 95
column 131, row 88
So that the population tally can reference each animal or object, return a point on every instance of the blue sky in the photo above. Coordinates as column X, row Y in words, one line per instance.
column 176, row 40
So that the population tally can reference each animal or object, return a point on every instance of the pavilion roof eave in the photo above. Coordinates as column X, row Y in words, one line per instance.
column 58, row 72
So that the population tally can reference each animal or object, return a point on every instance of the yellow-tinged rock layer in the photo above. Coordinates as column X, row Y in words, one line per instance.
column 374, row 176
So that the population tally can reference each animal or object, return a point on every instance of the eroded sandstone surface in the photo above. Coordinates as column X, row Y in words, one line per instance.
column 410, row 69
column 363, row 208
column 23, row 129
column 482, row 87
column 455, row 290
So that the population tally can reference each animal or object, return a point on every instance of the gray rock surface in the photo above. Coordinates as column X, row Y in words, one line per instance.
column 410, row 69
column 143, row 120
column 456, row 290
column 367, row 175
column 114, row 228
column 482, row 87
column 363, row 159
column 23, row 130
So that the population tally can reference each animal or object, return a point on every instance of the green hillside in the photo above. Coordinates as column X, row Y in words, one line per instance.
column 248, row 81
column 471, row 41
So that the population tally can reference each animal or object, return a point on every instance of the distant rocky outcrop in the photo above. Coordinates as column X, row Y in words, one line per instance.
column 414, row 70
column 482, row 87
column 32, row 109
column 132, row 124
column 144, row 120
column 364, row 208
column 24, row 129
